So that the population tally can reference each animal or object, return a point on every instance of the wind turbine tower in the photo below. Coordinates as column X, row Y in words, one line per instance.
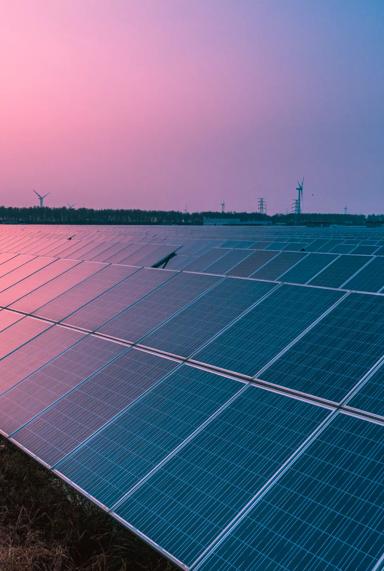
column 299, row 200
column 222, row 207
column 261, row 206
column 41, row 198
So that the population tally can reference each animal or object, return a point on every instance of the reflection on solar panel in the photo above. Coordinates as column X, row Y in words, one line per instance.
column 252, row 341
column 121, row 296
column 326, row 512
column 232, row 415
column 77, row 415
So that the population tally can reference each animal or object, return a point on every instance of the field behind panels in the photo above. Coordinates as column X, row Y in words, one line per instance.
column 217, row 390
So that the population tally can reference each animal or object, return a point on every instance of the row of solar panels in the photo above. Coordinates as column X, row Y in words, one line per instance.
column 357, row 273
column 246, row 323
column 95, row 242
column 217, row 472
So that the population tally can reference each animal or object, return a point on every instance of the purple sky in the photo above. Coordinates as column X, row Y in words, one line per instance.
column 182, row 103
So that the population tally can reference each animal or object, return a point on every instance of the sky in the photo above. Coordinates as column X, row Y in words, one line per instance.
column 181, row 104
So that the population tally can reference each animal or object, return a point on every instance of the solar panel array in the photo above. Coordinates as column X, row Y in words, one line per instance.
column 219, row 391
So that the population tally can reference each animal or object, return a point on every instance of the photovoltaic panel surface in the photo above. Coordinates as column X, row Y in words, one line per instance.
column 370, row 396
column 33, row 301
column 85, row 291
column 331, row 358
column 278, row 265
column 251, row 342
column 35, row 354
column 117, row 457
column 158, row 306
column 250, row 264
column 186, row 503
column 197, row 323
column 339, row 271
column 370, row 278
column 84, row 410
column 107, row 305
column 307, row 268
column 57, row 377
column 20, row 332
column 325, row 513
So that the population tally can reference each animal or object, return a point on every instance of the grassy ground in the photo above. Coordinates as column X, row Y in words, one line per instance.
column 46, row 526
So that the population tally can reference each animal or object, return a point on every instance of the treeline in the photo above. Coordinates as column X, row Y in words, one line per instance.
column 35, row 215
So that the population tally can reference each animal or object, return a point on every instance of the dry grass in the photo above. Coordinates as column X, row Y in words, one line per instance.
column 47, row 526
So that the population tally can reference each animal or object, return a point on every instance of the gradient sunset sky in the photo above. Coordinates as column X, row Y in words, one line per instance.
column 168, row 104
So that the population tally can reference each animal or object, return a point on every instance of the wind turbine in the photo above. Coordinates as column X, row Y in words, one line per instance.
column 299, row 200
column 41, row 198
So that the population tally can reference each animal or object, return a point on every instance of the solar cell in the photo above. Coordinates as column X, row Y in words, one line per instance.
column 197, row 323
column 117, row 457
column 252, row 341
column 13, row 264
column 339, row 271
column 136, row 321
column 331, row 358
column 92, row 315
column 326, row 512
column 76, row 360
column 190, row 499
column 206, row 259
column 77, row 415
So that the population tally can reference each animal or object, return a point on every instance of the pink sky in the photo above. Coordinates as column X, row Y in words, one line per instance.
column 174, row 103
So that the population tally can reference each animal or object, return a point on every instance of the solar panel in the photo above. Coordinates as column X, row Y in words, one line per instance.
column 326, row 512
column 283, row 471
column 251, row 263
column 331, row 358
column 19, row 332
column 35, row 354
column 228, row 261
column 252, row 341
column 370, row 278
column 85, row 291
column 278, row 265
column 110, row 303
column 307, row 268
column 197, row 323
column 38, row 298
column 370, row 396
column 342, row 269
column 192, row 497
column 147, row 431
column 77, row 415
column 40, row 386
column 158, row 306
